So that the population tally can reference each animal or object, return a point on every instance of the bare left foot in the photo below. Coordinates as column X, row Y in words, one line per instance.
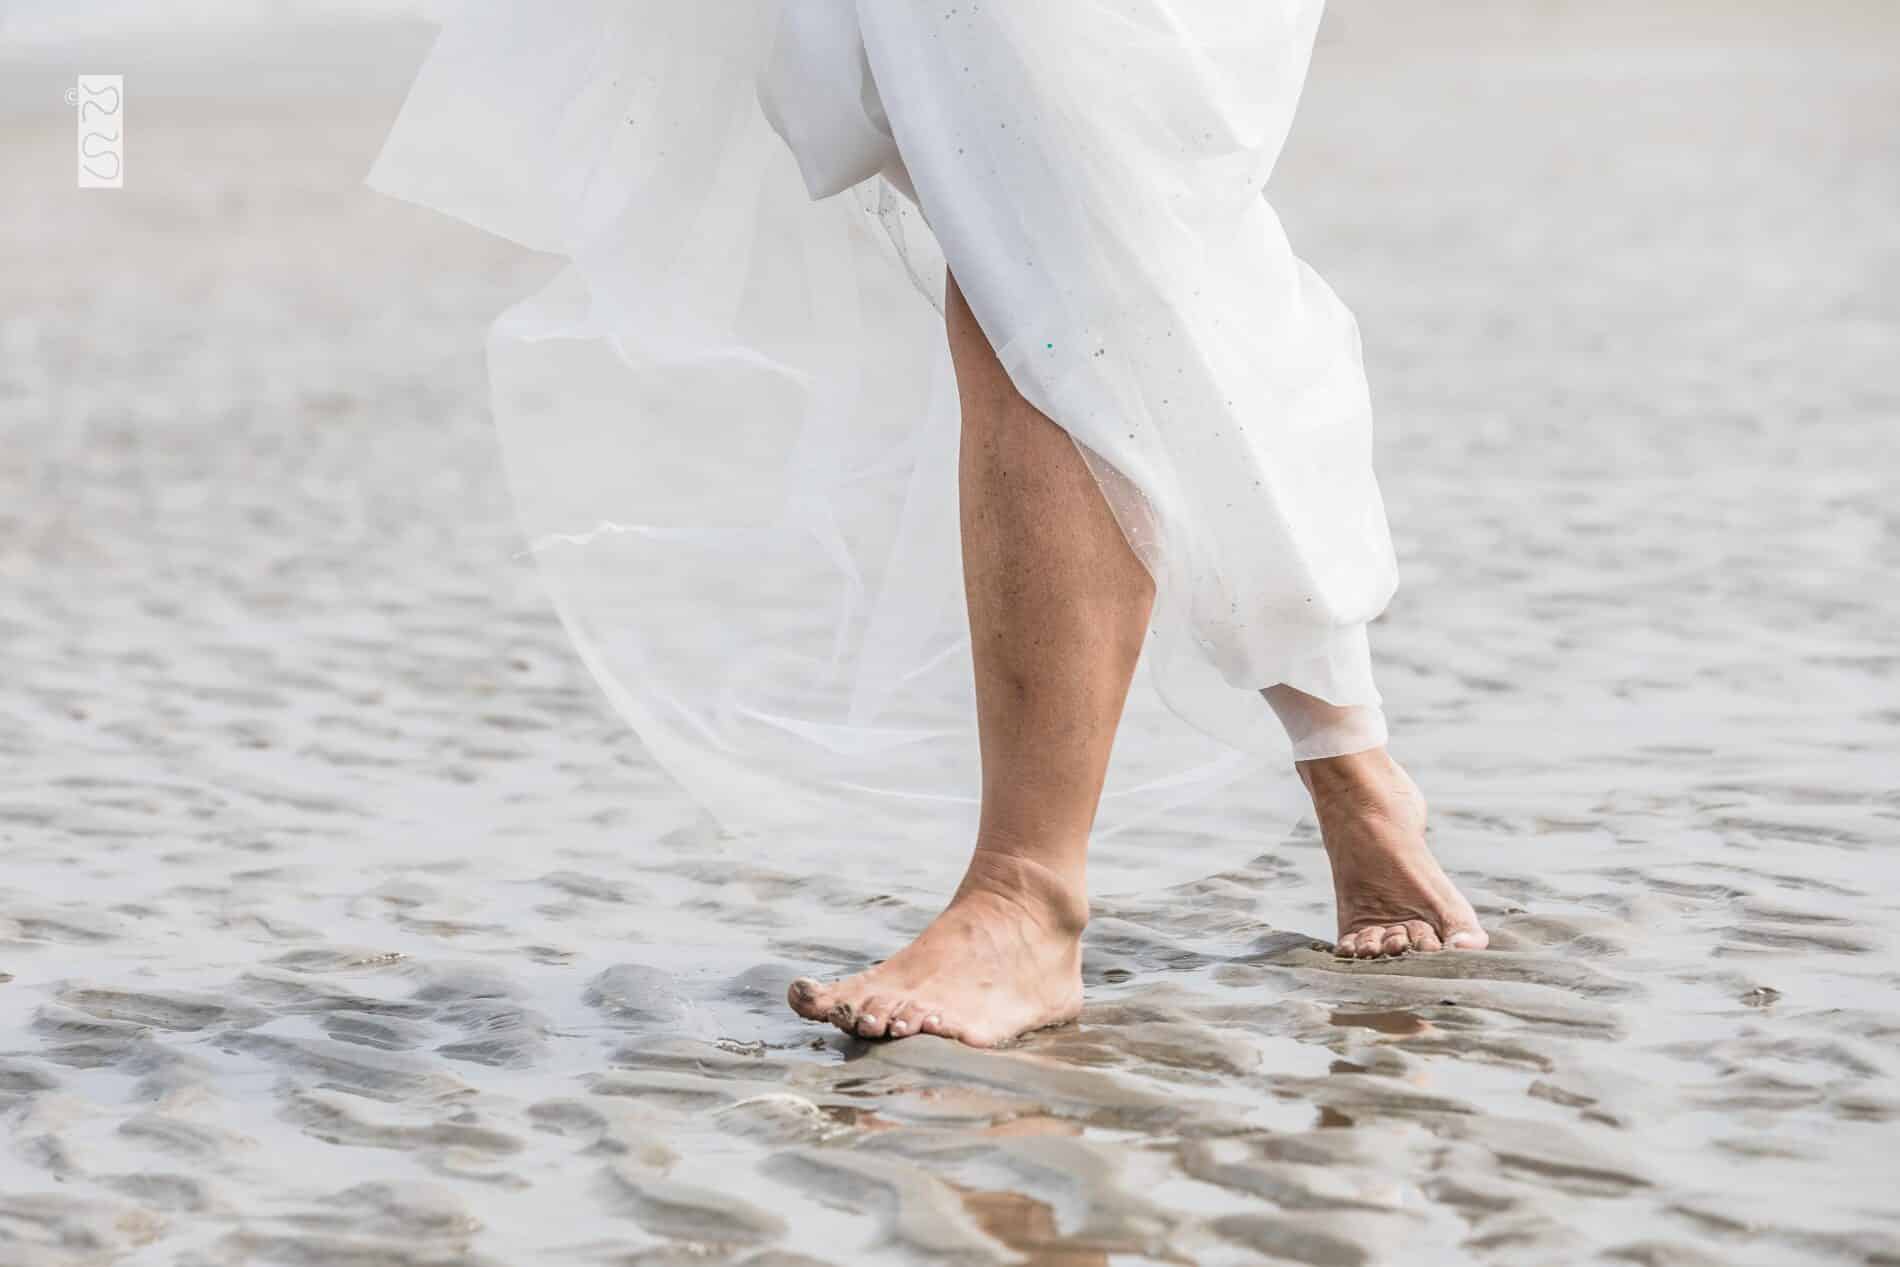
column 1004, row 958
column 1392, row 895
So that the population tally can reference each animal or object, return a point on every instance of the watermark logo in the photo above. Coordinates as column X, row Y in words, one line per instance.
column 100, row 101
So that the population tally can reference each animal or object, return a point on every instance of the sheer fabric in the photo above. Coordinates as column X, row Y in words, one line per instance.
column 731, row 423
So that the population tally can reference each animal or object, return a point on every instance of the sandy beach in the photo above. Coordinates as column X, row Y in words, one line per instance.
column 342, row 921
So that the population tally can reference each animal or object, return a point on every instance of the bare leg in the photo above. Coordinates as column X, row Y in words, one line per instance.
column 1392, row 895
column 1059, row 609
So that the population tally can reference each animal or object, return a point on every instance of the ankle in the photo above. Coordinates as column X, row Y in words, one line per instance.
column 1353, row 773
column 1053, row 896
column 1367, row 784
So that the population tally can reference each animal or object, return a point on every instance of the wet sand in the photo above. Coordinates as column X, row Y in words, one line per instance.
column 343, row 923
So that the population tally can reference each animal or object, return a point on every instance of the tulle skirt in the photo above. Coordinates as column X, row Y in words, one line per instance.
column 731, row 423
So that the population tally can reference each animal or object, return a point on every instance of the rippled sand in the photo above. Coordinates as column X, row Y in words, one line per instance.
column 341, row 923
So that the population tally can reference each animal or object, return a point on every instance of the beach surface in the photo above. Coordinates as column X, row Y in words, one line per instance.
column 342, row 922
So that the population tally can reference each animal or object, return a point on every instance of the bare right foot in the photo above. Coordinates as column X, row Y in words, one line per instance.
column 1392, row 895
column 1004, row 958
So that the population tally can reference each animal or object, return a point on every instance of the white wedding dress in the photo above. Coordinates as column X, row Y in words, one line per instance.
column 731, row 422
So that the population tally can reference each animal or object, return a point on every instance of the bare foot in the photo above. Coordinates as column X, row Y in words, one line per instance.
column 1005, row 957
column 1392, row 894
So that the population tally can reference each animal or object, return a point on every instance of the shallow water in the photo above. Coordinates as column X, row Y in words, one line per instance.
column 343, row 923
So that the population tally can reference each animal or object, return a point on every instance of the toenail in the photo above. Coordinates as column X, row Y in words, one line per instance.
column 898, row 1027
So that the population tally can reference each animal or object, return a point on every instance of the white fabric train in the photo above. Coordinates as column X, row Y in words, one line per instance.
column 731, row 424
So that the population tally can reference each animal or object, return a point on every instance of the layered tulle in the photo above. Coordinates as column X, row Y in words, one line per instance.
column 731, row 423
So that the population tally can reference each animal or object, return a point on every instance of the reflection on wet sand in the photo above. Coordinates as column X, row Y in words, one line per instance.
column 1029, row 1228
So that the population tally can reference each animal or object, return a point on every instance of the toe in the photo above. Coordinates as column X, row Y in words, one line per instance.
column 1368, row 942
column 844, row 1016
column 1423, row 937
column 1469, row 937
column 935, row 1024
column 1396, row 941
column 873, row 1016
column 907, row 1019
column 807, row 998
